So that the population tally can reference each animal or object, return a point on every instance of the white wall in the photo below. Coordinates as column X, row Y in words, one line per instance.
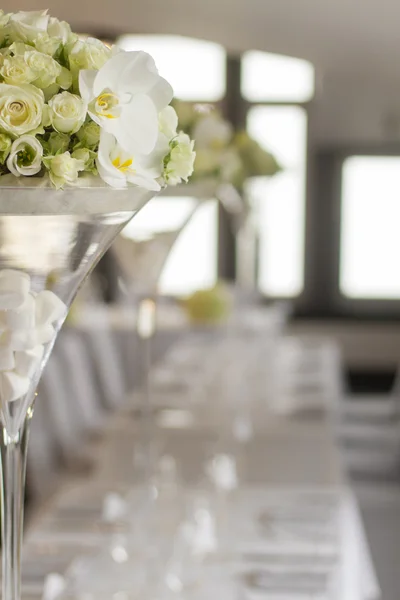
column 374, row 345
column 350, row 110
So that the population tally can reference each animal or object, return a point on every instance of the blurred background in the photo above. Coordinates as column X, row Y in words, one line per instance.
column 318, row 86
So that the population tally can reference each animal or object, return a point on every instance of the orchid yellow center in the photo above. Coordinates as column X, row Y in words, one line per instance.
column 123, row 166
column 107, row 105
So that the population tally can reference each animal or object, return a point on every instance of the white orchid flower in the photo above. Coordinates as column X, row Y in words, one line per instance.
column 118, row 168
column 125, row 98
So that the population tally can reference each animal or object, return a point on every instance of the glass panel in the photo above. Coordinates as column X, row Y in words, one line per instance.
column 160, row 215
column 370, row 241
column 275, row 78
column 195, row 68
column 192, row 264
column 281, row 199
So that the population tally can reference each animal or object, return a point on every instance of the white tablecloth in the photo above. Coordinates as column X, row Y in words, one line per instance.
column 290, row 462
column 286, row 457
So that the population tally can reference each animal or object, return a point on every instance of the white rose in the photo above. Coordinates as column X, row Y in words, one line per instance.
column 15, row 71
column 25, row 156
column 63, row 169
column 21, row 108
column 87, row 157
column 213, row 132
column 67, row 112
column 64, row 80
column 5, row 29
column 168, row 122
column 26, row 26
column 88, row 54
column 4, row 18
column 19, row 48
column 89, row 134
column 46, row 44
column 59, row 29
column 180, row 162
column 46, row 68
column 4, row 53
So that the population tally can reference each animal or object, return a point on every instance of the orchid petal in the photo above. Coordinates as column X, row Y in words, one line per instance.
column 107, row 143
column 110, row 73
column 140, row 74
column 86, row 83
column 120, row 72
column 154, row 160
column 161, row 93
column 146, row 182
column 137, row 128
column 132, row 72
column 111, row 180
column 106, row 170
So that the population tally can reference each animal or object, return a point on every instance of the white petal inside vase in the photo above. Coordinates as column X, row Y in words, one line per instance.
column 43, row 261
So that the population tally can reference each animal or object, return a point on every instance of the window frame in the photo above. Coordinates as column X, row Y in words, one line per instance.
column 323, row 298
column 295, row 300
column 246, row 105
column 235, row 108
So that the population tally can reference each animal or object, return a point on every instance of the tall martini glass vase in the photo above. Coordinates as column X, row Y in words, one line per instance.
column 49, row 242
column 142, row 251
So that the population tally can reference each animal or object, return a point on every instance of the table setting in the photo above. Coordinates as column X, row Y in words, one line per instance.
column 264, row 513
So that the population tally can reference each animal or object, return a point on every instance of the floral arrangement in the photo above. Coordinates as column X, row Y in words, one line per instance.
column 71, row 106
column 221, row 153
column 209, row 306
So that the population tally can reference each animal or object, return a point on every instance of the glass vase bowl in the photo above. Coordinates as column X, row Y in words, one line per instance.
column 50, row 240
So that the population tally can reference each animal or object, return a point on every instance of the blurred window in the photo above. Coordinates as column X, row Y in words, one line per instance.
column 161, row 215
column 277, row 86
column 190, row 230
column 280, row 200
column 370, row 241
column 196, row 70
column 274, row 78
column 192, row 264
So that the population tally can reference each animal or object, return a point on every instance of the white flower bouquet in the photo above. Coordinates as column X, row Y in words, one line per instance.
column 222, row 153
column 71, row 106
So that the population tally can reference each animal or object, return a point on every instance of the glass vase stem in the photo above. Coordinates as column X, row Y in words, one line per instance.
column 146, row 327
column 246, row 259
column 13, row 450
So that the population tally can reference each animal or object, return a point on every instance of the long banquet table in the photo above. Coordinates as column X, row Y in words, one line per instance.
column 289, row 460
